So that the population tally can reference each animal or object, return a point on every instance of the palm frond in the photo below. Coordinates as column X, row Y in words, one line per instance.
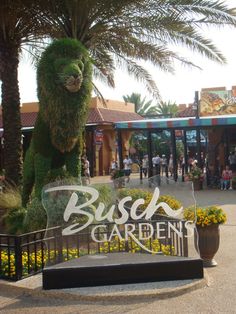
column 99, row 94
column 139, row 74
column 139, row 30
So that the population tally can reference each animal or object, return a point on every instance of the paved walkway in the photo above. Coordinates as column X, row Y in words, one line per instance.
column 218, row 297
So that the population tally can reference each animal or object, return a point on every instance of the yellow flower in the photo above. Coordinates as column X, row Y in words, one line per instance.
column 205, row 216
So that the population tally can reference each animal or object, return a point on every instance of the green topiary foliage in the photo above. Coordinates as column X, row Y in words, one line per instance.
column 35, row 217
column 64, row 78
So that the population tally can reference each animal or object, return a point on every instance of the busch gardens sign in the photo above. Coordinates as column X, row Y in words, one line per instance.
column 124, row 215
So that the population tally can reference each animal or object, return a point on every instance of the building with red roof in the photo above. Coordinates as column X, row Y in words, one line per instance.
column 100, row 146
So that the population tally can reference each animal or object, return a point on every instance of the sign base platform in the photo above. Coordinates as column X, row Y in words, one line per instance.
column 120, row 268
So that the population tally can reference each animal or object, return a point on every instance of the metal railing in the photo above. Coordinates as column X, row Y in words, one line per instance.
column 26, row 254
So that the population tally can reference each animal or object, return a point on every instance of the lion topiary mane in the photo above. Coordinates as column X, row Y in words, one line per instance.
column 64, row 90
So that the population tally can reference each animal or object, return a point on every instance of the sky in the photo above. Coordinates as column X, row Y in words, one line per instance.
column 179, row 88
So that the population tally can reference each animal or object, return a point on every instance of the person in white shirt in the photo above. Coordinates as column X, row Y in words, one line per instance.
column 127, row 162
column 145, row 165
column 156, row 161
column 86, row 169
column 164, row 170
column 114, row 165
column 171, row 165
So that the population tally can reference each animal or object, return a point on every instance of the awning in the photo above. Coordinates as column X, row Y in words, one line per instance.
column 178, row 123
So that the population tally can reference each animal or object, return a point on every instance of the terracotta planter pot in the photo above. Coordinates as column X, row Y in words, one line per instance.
column 208, row 242
column 197, row 185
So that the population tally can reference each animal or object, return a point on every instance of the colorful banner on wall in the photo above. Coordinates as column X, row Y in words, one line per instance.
column 98, row 137
column 217, row 102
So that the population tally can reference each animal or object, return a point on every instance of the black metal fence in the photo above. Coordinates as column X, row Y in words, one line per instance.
column 27, row 254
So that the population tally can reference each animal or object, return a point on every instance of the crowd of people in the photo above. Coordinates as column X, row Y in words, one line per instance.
column 164, row 166
column 228, row 172
column 222, row 175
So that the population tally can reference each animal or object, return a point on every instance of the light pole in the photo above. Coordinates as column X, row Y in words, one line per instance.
column 196, row 104
column 198, row 132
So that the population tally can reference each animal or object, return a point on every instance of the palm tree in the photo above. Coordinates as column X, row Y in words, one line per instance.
column 20, row 24
column 141, row 106
column 167, row 109
column 121, row 33
column 135, row 99
column 116, row 33
column 148, row 110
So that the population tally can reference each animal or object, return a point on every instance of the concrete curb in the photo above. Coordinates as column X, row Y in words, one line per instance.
column 133, row 292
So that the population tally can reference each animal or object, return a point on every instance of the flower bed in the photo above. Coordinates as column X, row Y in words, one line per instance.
column 147, row 196
column 120, row 246
column 30, row 262
column 35, row 261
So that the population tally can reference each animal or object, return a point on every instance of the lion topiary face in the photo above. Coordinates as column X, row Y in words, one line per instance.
column 70, row 73
column 64, row 91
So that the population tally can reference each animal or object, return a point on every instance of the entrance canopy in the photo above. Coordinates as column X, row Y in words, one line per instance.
column 178, row 123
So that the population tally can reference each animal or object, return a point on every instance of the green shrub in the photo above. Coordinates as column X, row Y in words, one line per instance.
column 55, row 175
column 10, row 198
column 10, row 203
column 13, row 220
column 35, row 217
column 107, row 195
column 135, row 194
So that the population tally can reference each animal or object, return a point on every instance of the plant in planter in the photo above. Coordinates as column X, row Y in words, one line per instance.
column 118, row 178
column 207, row 239
column 196, row 176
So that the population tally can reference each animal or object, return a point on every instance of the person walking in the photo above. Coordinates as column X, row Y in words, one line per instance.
column 182, row 165
column 127, row 162
column 145, row 165
column 86, row 169
column 156, row 161
column 164, row 168
column 114, row 165
column 171, row 165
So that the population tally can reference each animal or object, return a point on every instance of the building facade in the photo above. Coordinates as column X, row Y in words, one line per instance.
column 100, row 144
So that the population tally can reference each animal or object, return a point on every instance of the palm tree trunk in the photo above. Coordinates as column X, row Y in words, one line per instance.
column 11, row 114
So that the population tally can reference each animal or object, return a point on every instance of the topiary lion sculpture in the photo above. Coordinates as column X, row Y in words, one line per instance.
column 64, row 90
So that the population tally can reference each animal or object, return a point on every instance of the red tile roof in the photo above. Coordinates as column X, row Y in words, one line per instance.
column 101, row 115
column 27, row 119
column 187, row 112
column 96, row 116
